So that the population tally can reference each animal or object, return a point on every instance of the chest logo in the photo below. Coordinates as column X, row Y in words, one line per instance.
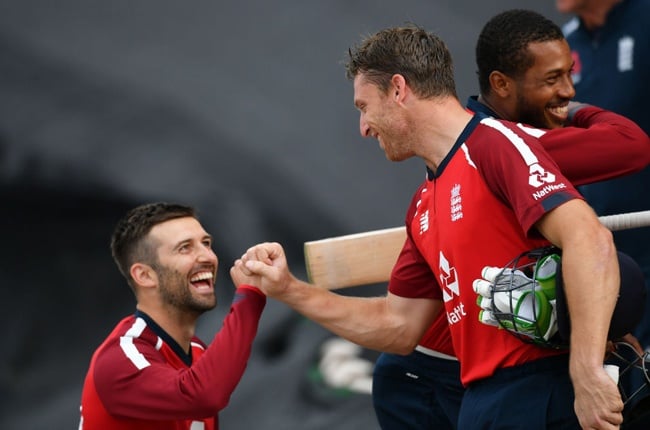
column 448, row 279
column 424, row 221
column 456, row 203
column 625, row 54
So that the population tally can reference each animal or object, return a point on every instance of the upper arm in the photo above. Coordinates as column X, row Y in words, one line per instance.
column 571, row 222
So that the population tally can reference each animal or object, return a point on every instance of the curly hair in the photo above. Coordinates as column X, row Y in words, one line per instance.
column 129, row 240
column 503, row 43
column 421, row 57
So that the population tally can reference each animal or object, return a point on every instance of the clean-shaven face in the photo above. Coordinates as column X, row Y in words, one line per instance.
column 544, row 92
column 186, row 266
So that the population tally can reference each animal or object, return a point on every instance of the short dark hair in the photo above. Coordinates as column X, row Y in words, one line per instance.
column 420, row 56
column 128, row 242
column 503, row 43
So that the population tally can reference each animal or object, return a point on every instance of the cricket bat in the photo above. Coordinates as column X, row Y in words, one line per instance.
column 369, row 257
column 354, row 259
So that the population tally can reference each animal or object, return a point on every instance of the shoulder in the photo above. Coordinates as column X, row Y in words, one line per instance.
column 198, row 344
column 128, row 342
column 630, row 16
column 495, row 132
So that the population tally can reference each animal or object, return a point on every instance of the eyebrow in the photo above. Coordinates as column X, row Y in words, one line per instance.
column 189, row 239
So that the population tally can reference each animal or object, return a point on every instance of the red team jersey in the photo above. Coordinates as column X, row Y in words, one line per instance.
column 599, row 145
column 587, row 152
column 478, row 210
column 140, row 378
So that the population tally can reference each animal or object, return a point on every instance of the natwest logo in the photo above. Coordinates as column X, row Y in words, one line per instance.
column 448, row 279
column 539, row 176
column 539, row 194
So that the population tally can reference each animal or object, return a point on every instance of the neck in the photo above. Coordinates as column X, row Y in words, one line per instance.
column 181, row 326
column 500, row 112
column 443, row 121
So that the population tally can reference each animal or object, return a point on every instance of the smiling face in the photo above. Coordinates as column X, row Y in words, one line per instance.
column 381, row 117
column 543, row 92
column 186, row 266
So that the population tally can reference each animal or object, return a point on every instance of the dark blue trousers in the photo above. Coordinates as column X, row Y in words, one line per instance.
column 534, row 396
column 416, row 392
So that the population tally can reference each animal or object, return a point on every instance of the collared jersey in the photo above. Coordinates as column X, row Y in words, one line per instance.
column 140, row 378
column 598, row 145
column 478, row 210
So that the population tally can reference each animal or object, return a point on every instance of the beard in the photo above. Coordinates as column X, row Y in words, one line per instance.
column 175, row 291
column 531, row 115
column 396, row 139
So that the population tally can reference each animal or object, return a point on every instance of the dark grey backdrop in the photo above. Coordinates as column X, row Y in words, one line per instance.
column 239, row 108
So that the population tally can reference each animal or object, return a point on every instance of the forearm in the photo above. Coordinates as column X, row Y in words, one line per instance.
column 599, row 145
column 367, row 321
column 222, row 366
column 591, row 288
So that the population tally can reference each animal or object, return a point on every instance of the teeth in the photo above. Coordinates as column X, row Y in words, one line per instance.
column 201, row 276
column 560, row 110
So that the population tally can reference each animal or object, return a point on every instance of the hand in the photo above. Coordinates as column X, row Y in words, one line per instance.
column 574, row 107
column 267, row 266
column 240, row 278
column 628, row 338
column 598, row 403
column 510, row 299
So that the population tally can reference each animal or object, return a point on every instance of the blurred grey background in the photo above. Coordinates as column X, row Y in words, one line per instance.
column 239, row 108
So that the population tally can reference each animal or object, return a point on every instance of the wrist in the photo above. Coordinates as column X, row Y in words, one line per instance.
column 252, row 288
column 574, row 107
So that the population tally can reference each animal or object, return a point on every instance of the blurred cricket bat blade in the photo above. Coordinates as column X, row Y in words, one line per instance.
column 355, row 259
column 369, row 257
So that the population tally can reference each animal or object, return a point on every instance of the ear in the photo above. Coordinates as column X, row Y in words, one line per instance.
column 398, row 90
column 500, row 84
column 144, row 275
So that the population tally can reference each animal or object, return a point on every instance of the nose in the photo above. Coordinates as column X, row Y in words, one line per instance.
column 566, row 88
column 364, row 128
column 207, row 255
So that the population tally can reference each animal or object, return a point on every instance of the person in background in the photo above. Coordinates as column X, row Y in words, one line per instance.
column 152, row 372
column 491, row 192
column 524, row 67
column 610, row 45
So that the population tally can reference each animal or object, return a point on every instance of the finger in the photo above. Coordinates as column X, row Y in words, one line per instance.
column 482, row 287
column 484, row 303
column 263, row 254
column 256, row 267
column 487, row 318
column 239, row 265
column 490, row 273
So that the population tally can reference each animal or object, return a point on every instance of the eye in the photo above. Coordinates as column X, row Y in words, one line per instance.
column 552, row 80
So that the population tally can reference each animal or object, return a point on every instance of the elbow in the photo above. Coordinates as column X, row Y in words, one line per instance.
column 406, row 349
column 209, row 406
column 404, row 345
